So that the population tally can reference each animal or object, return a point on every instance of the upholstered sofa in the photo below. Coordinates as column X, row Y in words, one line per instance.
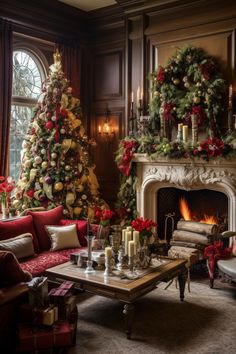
column 35, row 224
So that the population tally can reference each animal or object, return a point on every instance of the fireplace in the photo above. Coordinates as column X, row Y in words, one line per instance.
column 202, row 205
column 215, row 179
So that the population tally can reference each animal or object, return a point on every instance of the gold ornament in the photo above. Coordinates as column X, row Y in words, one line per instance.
column 196, row 100
column 44, row 165
column 58, row 186
column 77, row 211
column 41, row 180
column 80, row 188
column 176, row 81
column 16, row 203
column 84, row 179
column 73, row 145
column 67, row 167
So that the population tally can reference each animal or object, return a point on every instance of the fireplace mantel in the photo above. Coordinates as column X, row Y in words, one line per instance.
column 218, row 174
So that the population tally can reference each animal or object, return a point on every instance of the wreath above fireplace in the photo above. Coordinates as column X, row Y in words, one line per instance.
column 190, row 84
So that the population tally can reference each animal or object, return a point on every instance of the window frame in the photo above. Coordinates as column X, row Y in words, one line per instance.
column 42, row 64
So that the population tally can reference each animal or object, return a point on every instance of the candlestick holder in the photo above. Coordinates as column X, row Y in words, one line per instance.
column 108, row 267
column 131, row 264
column 194, row 129
column 179, row 136
column 230, row 119
column 122, row 259
column 90, row 237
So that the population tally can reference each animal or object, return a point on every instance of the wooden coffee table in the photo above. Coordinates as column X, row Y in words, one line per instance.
column 125, row 290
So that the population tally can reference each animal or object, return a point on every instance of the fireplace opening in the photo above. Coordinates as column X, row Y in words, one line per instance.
column 202, row 205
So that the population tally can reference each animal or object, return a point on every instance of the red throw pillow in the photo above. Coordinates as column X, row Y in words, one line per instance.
column 11, row 272
column 42, row 218
column 13, row 228
column 81, row 226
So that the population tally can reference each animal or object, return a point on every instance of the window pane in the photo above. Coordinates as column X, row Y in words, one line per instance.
column 27, row 75
column 20, row 119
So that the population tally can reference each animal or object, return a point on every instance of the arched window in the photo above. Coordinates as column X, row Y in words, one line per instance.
column 28, row 74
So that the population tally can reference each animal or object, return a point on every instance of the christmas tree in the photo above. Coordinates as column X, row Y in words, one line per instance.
column 56, row 167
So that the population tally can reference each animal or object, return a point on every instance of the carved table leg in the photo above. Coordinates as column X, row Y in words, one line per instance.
column 182, row 277
column 129, row 315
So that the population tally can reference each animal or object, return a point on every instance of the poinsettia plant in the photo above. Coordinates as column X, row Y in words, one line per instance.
column 6, row 187
column 104, row 216
column 144, row 226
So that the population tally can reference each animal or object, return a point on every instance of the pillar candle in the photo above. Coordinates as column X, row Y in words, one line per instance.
column 185, row 133
column 136, row 236
column 128, row 237
column 129, row 228
column 108, row 252
column 123, row 235
column 131, row 248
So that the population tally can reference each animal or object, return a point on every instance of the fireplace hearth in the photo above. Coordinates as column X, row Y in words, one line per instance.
column 209, row 186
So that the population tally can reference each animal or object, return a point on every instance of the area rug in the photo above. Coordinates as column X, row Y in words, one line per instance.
column 205, row 323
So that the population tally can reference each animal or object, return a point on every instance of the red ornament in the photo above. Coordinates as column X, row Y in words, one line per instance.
column 49, row 125
column 30, row 193
column 49, row 114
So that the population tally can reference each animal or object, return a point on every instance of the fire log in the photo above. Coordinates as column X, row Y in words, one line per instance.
column 198, row 227
column 193, row 237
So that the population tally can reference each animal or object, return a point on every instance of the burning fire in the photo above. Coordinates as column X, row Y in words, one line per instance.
column 187, row 214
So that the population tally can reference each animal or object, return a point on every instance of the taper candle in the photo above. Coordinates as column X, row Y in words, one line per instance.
column 136, row 236
column 123, row 235
column 230, row 95
column 180, row 127
column 185, row 133
column 128, row 237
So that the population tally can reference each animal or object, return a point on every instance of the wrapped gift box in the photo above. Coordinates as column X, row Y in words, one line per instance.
column 60, row 335
column 38, row 292
column 46, row 316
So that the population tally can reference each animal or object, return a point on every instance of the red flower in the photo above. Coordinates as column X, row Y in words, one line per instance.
column 6, row 187
column 168, row 111
column 129, row 150
column 213, row 147
column 197, row 111
column 161, row 75
column 103, row 215
column 144, row 226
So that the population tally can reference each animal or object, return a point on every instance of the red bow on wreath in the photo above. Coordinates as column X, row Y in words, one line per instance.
column 215, row 252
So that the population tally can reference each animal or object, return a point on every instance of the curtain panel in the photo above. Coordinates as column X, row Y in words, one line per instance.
column 5, row 93
column 71, row 65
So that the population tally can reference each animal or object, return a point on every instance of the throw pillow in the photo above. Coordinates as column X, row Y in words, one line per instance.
column 11, row 272
column 21, row 246
column 234, row 246
column 81, row 226
column 63, row 237
column 42, row 218
column 13, row 228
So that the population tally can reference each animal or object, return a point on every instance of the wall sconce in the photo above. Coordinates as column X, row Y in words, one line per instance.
column 106, row 129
